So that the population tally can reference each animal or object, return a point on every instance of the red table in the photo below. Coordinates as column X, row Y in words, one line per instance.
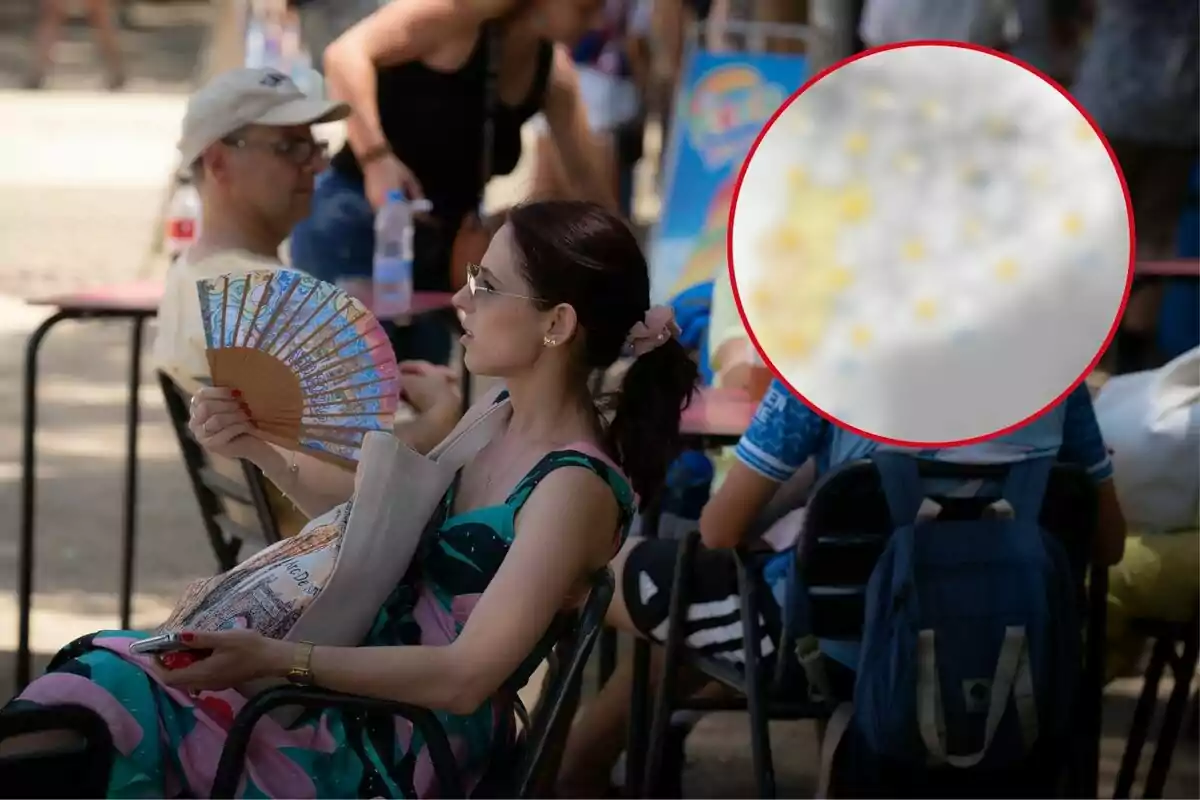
column 1175, row 268
column 135, row 302
column 716, row 418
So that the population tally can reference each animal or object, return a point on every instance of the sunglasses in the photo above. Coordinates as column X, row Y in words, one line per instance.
column 477, row 284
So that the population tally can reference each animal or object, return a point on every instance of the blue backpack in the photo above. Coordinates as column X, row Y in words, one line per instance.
column 971, row 643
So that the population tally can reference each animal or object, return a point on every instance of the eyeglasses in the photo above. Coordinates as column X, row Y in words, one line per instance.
column 477, row 284
column 297, row 152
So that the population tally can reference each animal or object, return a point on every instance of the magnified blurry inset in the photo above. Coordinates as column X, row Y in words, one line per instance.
column 930, row 244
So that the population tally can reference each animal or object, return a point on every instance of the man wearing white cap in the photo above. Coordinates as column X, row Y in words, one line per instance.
column 248, row 145
column 247, row 140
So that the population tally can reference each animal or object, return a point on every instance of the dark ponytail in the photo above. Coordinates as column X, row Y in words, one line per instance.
column 583, row 255
column 644, row 431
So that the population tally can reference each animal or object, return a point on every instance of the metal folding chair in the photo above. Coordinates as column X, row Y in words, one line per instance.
column 1176, row 645
column 846, row 529
column 228, row 507
column 527, row 770
column 80, row 768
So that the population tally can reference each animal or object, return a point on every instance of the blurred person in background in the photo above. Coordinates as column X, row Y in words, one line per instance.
column 52, row 15
column 1140, row 81
column 416, row 74
column 323, row 21
column 247, row 140
column 613, row 63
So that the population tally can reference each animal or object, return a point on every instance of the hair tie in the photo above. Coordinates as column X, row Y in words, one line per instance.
column 655, row 329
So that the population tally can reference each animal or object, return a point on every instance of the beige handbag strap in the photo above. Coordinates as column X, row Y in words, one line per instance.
column 478, row 426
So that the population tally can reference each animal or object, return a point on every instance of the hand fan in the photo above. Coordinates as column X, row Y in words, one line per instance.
column 312, row 364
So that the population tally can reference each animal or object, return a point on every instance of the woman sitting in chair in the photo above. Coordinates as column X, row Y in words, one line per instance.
column 783, row 437
column 562, row 291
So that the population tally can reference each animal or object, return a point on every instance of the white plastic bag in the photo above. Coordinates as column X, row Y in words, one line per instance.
column 1151, row 420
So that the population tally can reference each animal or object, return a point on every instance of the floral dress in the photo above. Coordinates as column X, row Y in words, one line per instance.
column 168, row 743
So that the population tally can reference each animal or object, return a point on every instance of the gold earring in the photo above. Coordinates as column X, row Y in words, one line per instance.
column 547, row 341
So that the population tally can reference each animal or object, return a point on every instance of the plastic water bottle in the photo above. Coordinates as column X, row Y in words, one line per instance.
column 392, row 270
column 183, row 220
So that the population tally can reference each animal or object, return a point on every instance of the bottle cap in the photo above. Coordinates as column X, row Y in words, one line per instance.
column 396, row 196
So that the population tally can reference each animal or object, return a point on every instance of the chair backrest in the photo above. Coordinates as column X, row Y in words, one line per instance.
column 234, row 506
column 541, row 752
column 847, row 526
column 79, row 768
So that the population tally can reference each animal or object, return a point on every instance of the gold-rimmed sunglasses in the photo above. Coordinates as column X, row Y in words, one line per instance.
column 476, row 285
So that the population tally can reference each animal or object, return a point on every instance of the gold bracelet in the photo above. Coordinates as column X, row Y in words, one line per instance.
column 294, row 472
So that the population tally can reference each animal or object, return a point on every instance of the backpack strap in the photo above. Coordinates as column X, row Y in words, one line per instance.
column 1024, row 489
column 902, row 487
column 1013, row 679
column 482, row 422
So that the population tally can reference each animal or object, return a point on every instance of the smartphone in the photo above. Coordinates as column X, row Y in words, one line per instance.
column 157, row 645
column 170, row 650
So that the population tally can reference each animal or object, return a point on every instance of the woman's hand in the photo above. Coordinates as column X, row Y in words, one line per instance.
column 237, row 656
column 387, row 174
column 426, row 386
column 221, row 425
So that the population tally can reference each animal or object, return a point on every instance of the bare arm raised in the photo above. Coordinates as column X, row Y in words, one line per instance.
column 397, row 33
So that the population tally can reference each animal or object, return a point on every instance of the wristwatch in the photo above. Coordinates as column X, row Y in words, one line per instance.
column 300, row 672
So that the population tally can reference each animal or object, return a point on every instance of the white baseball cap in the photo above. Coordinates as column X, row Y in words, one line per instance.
column 245, row 96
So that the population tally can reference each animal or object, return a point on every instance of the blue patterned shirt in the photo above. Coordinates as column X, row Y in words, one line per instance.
column 785, row 433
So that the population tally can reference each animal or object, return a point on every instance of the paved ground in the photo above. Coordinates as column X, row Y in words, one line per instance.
column 81, row 177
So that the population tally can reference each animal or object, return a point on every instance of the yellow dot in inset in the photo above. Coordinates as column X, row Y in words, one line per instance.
column 1072, row 224
column 824, row 281
column 1006, row 269
column 913, row 250
column 856, row 203
column 970, row 173
column 860, row 335
column 785, row 239
column 840, row 277
column 926, row 309
column 998, row 126
column 763, row 297
column 972, row 228
column 907, row 162
column 857, row 143
column 932, row 110
column 797, row 177
column 880, row 98
column 796, row 344
column 1084, row 131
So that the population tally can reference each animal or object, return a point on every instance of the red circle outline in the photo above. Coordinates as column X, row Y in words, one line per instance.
column 737, row 297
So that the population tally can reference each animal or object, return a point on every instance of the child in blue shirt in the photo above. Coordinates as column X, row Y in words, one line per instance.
column 784, row 435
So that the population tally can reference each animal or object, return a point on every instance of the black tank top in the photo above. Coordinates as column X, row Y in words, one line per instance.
column 434, row 122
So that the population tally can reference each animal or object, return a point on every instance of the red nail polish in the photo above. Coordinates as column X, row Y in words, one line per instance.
column 187, row 637
column 236, row 393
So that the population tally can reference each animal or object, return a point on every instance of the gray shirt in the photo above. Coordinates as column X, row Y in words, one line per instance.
column 1140, row 77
